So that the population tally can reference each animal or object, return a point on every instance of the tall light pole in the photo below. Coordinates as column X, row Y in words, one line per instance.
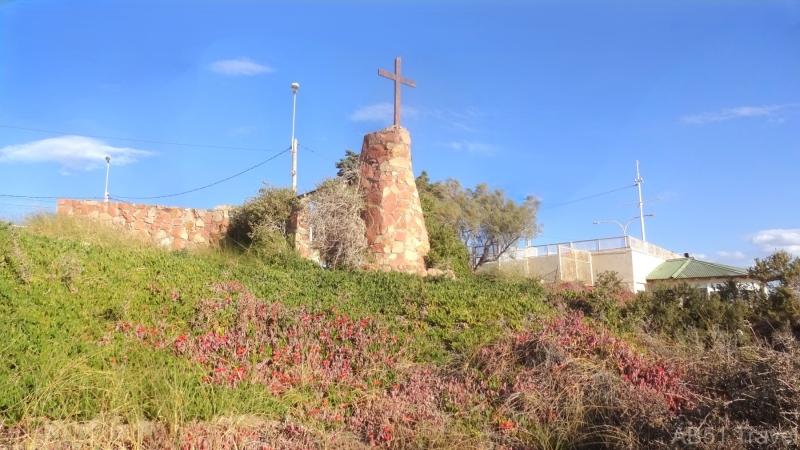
column 295, row 87
column 108, row 166
column 638, row 181
column 624, row 227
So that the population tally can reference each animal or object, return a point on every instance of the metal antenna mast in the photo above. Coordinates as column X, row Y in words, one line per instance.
column 638, row 181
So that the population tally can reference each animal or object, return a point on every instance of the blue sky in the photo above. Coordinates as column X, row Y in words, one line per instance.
column 553, row 99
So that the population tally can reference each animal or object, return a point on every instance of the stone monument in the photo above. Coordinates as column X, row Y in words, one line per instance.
column 396, row 234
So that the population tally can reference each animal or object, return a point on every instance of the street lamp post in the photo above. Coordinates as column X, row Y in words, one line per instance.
column 624, row 227
column 108, row 166
column 295, row 87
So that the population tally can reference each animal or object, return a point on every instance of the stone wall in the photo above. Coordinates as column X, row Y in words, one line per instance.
column 396, row 232
column 301, row 230
column 174, row 227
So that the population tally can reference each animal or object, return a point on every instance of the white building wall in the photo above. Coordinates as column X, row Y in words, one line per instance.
column 708, row 285
column 643, row 264
column 631, row 265
column 619, row 260
column 545, row 267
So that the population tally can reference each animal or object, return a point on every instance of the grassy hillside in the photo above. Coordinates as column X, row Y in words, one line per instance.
column 109, row 342
column 69, row 293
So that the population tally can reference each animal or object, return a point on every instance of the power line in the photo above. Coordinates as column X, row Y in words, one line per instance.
column 586, row 198
column 206, row 186
column 137, row 140
column 42, row 198
column 303, row 185
column 25, row 205
column 52, row 198
column 318, row 154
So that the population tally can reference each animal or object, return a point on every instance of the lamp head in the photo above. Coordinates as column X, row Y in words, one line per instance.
column 295, row 87
column 108, row 159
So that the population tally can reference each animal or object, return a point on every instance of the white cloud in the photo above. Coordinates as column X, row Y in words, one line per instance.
column 381, row 112
column 469, row 113
column 472, row 147
column 778, row 239
column 242, row 130
column 700, row 256
column 458, row 126
column 449, row 120
column 74, row 152
column 240, row 66
column 732, row 113
column 737, row 255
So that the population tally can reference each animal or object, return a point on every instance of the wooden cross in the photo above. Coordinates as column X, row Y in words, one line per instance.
column 398, row 80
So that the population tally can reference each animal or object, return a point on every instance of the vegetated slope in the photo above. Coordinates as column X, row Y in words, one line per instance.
column 108, row 342
column 68, row 300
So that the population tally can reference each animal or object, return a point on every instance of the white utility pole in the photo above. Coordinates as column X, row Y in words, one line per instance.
column 295, row 87
column 108, row 166
column 638, row 181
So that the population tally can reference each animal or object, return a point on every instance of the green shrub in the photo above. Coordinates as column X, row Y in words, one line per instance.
column 605, row 300
column 448, row 251
column 262, row 222
column 779, row 307
column 682, row 312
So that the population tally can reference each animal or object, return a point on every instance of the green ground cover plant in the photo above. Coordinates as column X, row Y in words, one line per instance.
column 108, row 342
column 64, row 285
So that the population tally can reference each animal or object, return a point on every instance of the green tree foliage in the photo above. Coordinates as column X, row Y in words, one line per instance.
column 780, row 305
column 348, row 167
column 483, row 218
column 262, row 222
column 447, row 249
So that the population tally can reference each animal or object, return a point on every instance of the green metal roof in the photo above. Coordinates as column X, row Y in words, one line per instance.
column 692, row 268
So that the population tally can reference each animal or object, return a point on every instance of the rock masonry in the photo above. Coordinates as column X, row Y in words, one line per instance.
column 172, row 227
column 299, row 228
column 396, row 233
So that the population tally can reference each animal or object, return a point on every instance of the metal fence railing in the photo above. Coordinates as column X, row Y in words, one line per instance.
column 591, row 245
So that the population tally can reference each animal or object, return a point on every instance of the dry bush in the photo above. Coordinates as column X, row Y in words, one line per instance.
column 573, row 385
column 228, row 433
column 334, row 215
column 506, row 273
column 750, row 391
column 12, row 255
column 67, row 268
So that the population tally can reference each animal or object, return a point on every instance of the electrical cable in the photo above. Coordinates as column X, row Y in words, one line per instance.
column 586, row 198
column 137, row 140
column 40, row 198
column 303, row 185
column 318, row 154
column 26, row 206
column 120, row 197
